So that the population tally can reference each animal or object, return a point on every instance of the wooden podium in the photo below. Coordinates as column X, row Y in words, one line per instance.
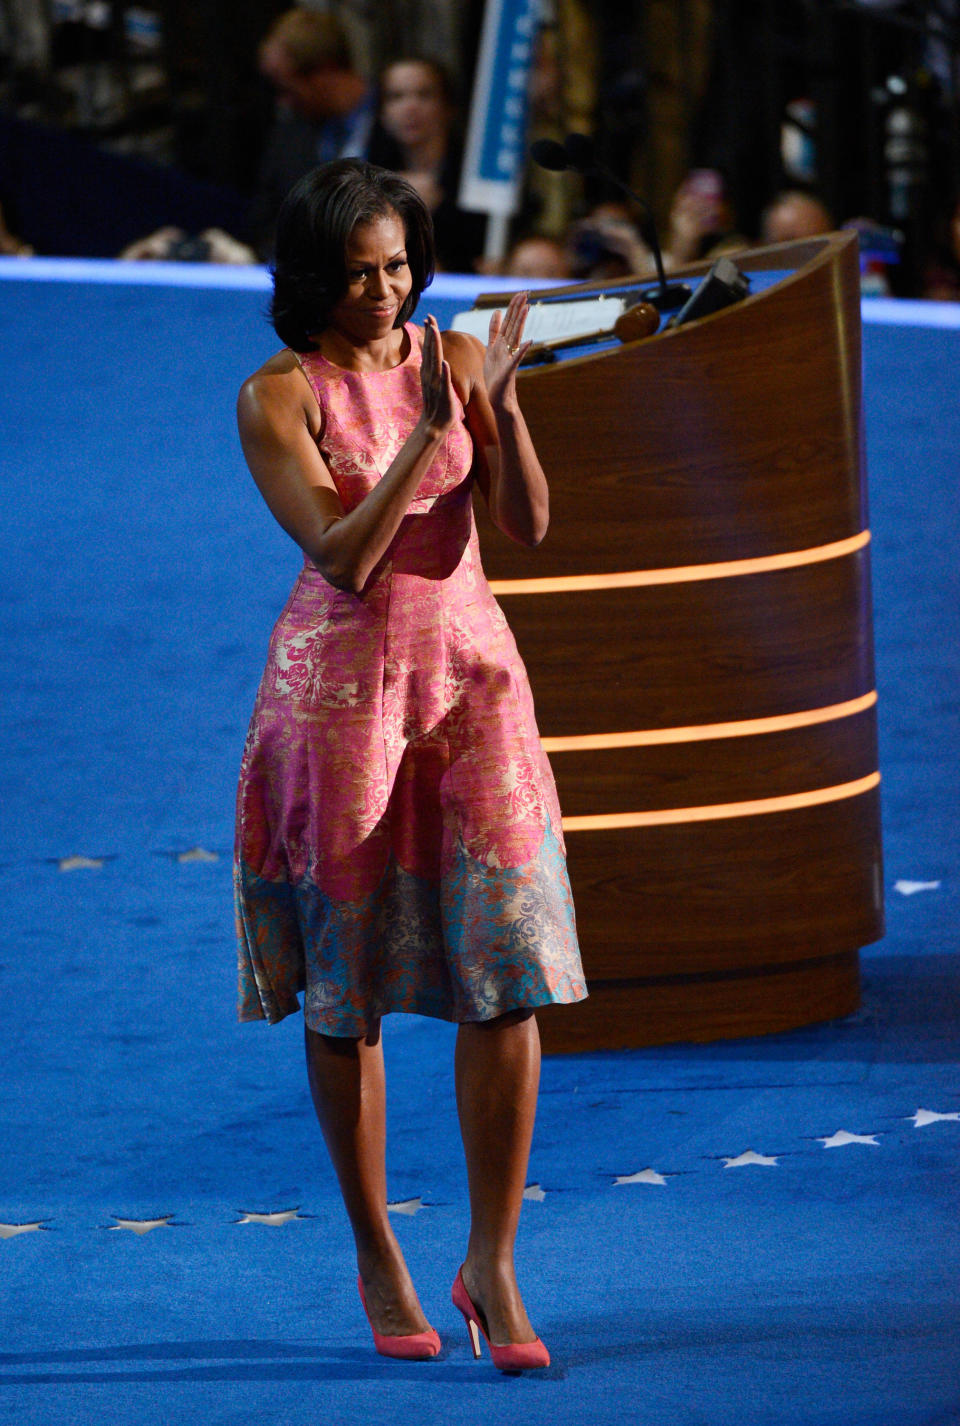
column 697, row 630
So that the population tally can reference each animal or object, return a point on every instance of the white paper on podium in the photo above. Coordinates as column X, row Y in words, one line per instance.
column 548, row 321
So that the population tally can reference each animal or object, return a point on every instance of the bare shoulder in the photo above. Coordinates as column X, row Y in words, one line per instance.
column 465, row 355
column 277, row 389
column 462, row 347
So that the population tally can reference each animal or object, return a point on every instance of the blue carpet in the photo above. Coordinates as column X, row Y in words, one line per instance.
column 140, row 577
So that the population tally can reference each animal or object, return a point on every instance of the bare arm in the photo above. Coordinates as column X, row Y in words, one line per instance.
column 513, row 479
column 279, row 424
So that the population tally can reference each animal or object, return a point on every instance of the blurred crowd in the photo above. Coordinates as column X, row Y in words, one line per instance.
column 740, row 123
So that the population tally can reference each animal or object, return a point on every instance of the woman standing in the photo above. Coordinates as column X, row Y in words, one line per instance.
column 417, row 134
column 398, row 835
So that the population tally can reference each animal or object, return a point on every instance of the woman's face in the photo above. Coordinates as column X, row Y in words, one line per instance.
column 412, row 103
column 379, row 280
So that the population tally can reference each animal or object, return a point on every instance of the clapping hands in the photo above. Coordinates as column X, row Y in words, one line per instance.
column 505, row 350
column 436, row 384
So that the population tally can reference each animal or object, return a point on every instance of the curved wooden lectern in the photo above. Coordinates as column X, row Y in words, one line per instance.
column 697, row 629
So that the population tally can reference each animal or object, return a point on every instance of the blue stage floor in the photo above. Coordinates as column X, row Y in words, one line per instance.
column 815, row 1285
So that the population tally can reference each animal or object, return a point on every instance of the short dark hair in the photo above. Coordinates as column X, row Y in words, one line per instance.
column 313, row 227
column 310, row 40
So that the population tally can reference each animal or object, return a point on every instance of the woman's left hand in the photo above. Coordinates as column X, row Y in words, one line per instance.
column 505, row 351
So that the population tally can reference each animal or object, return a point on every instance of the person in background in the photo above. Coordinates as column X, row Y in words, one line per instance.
column 880, row 248
column 171, row 244
column 10, row 244
column 325, row 110
column 535, row 256
column 941, row 278
column 701, row 221
column 794, row 215
column 607, row 244
column 417, row 135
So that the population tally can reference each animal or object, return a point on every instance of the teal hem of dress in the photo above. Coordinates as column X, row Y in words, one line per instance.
column 448, row 1019
column 481, row 943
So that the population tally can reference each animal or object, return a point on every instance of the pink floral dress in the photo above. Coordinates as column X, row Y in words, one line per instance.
column 398, row 835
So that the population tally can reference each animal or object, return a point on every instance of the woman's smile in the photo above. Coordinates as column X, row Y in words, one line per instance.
column 379, row 280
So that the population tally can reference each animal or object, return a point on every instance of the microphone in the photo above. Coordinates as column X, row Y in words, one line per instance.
column 549, row 154
column 577, row 153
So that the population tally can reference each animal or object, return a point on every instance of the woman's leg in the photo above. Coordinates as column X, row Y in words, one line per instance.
column 348, row 1088
column 498, row 1075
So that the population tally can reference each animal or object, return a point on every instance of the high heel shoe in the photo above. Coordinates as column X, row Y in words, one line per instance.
column 509, row 1357
column 414, row 1347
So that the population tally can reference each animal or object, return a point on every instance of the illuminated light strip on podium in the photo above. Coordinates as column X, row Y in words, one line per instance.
column 681, row 574
column 704, row 732
column 718, row 811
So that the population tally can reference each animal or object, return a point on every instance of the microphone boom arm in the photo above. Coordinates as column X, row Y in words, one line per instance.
column 576, row 152
column 649, row 229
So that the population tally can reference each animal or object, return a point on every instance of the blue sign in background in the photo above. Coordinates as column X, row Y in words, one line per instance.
column 504, row 138
column 496, row 136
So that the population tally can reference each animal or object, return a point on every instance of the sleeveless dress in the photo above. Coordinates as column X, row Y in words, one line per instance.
column 398, row 842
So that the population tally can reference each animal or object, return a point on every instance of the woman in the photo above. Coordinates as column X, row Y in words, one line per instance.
column 398, row 835
column 941, row 274
column 416, row 134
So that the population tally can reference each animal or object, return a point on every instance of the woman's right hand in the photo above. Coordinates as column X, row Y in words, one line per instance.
column 436, row 383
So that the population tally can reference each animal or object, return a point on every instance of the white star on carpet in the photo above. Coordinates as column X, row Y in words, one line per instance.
column 13, row 1230
column 644, row 1176
column 930, row 1116
column 79, row 863
column 770, row 1161
column 534, row 1192
column 138, row 1225
column 272, row 1220
column 409, row 1206
column 198, row 854
column 842, row 1138
column 910, row 888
